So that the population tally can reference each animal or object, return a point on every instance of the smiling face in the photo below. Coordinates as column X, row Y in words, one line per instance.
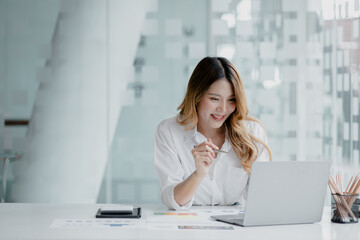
column 216, row 105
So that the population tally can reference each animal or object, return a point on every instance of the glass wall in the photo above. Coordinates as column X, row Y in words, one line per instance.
column 287, row 53
column 299, row 61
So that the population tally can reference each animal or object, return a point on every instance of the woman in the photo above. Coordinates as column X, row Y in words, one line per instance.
column 213, row 116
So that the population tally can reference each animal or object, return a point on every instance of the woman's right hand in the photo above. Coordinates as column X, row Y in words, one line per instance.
column 204, row 155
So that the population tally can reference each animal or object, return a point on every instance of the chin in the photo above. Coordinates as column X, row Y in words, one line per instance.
column 216, row 125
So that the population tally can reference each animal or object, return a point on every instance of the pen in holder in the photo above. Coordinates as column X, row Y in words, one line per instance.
column 344, row 200
column 342, row 212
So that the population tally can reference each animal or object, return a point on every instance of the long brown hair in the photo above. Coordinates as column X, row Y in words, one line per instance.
column 209, row 70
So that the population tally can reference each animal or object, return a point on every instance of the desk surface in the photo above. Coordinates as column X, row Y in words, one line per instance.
column 33, row 221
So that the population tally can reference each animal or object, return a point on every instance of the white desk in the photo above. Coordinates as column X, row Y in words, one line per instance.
column 32, row 221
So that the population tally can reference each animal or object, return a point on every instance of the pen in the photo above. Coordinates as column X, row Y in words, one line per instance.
column 217, row 150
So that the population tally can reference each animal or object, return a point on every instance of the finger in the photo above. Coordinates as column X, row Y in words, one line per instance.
column 200, row 145
column 205, row 148
column 196, row 148
column 204, row 160
column 208, row 161
column 200, row 156
column 207, row 142
column 206, row 155
column 210, row 143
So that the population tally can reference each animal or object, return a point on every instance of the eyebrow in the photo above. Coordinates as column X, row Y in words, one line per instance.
column 218, row 95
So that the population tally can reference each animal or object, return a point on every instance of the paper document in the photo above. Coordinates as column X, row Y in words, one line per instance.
column 191, row 215
column 93, row 223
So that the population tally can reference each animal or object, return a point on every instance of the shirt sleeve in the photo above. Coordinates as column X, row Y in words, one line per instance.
column 168, row 167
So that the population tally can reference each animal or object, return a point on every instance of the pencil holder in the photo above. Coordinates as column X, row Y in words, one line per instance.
column 342, row 212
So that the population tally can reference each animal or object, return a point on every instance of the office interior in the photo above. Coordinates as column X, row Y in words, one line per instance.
column 84, row 83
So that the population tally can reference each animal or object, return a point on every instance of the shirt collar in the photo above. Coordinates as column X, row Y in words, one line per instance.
column 199, row 138
column 194, row 134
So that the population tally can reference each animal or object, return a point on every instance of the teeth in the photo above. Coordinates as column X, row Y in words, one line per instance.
column 217, row 116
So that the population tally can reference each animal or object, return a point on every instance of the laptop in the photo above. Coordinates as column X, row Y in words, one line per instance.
column 283, row 193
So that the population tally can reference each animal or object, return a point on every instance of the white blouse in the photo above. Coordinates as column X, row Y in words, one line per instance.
column 226, row 182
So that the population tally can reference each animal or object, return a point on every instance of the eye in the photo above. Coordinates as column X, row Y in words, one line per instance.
column 214, row 99
column 232, row 100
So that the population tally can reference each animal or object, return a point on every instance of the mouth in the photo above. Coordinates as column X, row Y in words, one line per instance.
column 218, row 117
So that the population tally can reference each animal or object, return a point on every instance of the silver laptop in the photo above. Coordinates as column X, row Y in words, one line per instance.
column 283, row 193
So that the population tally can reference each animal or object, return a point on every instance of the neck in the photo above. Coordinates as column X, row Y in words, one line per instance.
column 211, row 133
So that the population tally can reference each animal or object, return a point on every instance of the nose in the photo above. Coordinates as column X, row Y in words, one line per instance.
column 221, row 106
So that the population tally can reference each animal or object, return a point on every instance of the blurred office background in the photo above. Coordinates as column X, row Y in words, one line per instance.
column 84, row 83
